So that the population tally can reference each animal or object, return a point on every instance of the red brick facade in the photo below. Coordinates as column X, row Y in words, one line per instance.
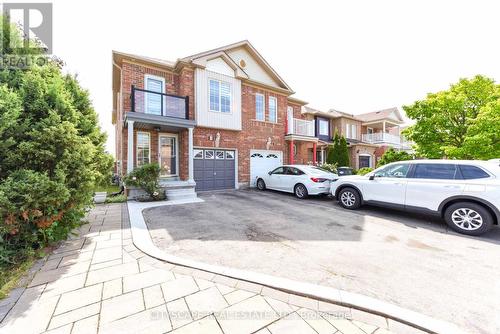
column 254, row 134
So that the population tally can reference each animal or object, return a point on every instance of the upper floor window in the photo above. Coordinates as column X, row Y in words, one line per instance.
column 143, row 148
column 260, row 107
column 273, row 109
column 220, row 96
column 323, row 126
column 351, row 131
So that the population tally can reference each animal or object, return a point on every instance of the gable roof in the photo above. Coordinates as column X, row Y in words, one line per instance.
column 250, row 49
column 330, row 113
column 390, row 113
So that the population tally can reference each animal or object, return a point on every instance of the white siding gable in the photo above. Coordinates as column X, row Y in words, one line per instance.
column 252, row 68
column 211, row 119
column 218, row 65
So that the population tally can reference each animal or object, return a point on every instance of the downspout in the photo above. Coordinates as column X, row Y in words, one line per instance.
column 120, row 106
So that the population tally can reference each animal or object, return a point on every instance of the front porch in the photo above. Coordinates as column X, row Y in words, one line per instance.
column 162, row 135
column 302, row 150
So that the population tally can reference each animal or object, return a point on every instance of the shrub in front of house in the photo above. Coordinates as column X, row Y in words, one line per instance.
column 332, row 168
column 146, row 177
column 364, row 171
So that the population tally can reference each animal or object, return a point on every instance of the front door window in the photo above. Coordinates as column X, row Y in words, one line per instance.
column 168, row 155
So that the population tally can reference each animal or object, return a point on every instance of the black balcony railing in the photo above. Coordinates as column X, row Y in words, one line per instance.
column 161, row 104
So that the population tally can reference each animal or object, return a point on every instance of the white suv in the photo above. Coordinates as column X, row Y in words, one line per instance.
column 465, row 193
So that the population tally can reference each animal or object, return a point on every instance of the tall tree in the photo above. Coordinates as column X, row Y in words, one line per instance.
column 338, row 152
column 461, row 122
column 51, row 156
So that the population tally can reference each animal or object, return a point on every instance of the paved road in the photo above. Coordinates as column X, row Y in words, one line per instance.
column 405, row 259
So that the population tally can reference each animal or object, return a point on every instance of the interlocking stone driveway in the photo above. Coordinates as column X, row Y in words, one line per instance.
column 99, row 282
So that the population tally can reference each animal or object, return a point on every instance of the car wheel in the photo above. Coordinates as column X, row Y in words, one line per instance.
column 349, row 198
column 300, row 191
column 261, row 185
column 468, row 218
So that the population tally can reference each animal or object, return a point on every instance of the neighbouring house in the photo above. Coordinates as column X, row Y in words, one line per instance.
column 368, row 135
column 217, row 119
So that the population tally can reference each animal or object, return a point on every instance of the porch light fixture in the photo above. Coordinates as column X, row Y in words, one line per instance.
column 157, row 129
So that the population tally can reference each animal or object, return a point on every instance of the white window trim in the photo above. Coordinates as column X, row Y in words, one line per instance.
column 154, row 77
column 172, row 135
column 276, row 111
column 220, row 96
column 348, row 130
column 354, row 134
column 137, row 147
column 327, row 127
column 263, row 107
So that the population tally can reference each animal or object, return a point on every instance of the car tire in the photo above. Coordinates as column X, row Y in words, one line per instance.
column 261, row 185
column 300, row 191
column 468, row 218
column 349, row 198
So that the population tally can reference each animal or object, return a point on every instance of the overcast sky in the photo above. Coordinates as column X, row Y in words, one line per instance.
column 354, row 56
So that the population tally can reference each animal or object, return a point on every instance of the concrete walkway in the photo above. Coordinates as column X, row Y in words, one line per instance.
column 99, row 282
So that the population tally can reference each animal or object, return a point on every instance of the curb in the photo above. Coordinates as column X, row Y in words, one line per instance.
column 142, row 240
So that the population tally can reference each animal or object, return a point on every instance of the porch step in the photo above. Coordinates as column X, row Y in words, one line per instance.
column 178, row 193
column 178, row 190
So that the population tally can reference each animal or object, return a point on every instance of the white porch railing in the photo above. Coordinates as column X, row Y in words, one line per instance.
column 381, row 138
column 300, row 127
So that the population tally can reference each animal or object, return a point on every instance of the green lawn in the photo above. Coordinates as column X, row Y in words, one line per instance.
column 109, row 189
column 10, row 276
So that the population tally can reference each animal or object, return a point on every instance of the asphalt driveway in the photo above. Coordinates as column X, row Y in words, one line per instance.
column 412, row 261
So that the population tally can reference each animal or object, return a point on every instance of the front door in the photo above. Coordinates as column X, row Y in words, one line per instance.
column 364, row 161
column 168, row 155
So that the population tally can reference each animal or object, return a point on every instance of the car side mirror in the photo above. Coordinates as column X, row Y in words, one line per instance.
column 269, row 173
column 372, row 177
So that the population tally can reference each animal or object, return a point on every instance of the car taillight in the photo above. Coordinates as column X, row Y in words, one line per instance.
column 318, row 179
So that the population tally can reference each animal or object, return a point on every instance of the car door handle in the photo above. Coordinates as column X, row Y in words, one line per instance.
column 450, row 186
column 399, row 184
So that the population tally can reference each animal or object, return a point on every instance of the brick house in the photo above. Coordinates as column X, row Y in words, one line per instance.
column 368, row 135
column 213, row 120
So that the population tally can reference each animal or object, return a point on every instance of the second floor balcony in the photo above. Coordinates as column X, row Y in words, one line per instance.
column 159, row 104
column 381, row 138
column 300, row 127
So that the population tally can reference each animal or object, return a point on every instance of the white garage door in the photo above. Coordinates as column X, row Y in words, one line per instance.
column 261, row 162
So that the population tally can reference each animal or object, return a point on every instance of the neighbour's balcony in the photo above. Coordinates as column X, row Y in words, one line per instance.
column 300, row 127
column 381, row 138
column 160, row 104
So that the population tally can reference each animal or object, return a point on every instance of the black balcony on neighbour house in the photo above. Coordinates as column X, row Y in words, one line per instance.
column 159, row 104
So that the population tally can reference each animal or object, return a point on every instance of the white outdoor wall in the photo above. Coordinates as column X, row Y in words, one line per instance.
column 218, row 120
column 218, row 65
column 252, row 68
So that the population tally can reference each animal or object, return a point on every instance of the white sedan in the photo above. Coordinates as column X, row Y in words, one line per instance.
column 302, row 180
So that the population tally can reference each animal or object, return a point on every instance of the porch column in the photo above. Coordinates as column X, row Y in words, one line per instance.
column 130, row 146
column 314, row 153
column 291, row 152
column 191, row 156
column 383, row 126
